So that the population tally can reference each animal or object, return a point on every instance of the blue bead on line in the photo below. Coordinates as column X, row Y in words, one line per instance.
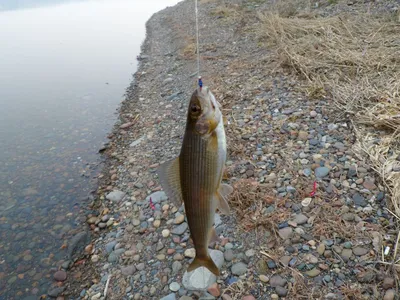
column 200, row 82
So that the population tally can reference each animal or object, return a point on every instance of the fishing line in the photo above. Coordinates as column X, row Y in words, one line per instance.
column 198, row 44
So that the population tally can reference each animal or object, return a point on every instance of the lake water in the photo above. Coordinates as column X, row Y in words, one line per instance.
column 64, row 68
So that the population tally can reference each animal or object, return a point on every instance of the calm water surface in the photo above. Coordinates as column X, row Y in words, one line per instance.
column 64, row 69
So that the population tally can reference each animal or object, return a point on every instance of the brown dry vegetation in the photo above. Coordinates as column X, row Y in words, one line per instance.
column 355, row 60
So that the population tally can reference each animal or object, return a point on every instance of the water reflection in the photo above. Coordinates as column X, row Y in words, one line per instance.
column 63, row 71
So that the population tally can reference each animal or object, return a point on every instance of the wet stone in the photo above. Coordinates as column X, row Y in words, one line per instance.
column 180, row 229
column 60, row 275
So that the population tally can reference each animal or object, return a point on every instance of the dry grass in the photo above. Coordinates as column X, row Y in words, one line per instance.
column 355, row 60
column 239, row 289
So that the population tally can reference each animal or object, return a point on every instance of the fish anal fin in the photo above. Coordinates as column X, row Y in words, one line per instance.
column 170, row 180
column 213, row 236
column 206, row 262
column 222, row 194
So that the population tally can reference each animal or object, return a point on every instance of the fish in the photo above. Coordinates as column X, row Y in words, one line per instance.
column 195, row 176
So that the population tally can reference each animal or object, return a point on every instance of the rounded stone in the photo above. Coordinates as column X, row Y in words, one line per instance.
column 174, row 286
column 60, row 275
column 165, row 233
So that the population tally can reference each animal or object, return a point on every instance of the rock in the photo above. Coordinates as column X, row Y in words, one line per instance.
column 359, row 200
column 249, row 297
column 179, row 219
column 169, row 297
column 313, row 114
column 201, row 278
column 191, row 253
column 348, row 217
column 281, row 291
column 214, row 290
column 286, row 233
column 55, row 292
column 321, row 172
column 110, row 246
column 228, row 255
column 264, row 278
column 140, row 266
column 388, row 283
column 129, row 270
column 359, row 251
column 369, row 185
column 250, row 253
column 77, row 244
column 239, row 268
column 176, row 267
column 165, row 233
column 300, row 219
column 346, row 254
column 180, row 229
column 321, row 249
column 115, row 196
column 174, row 286
column 313, row 272
column 60, row 275
column 277, row 280
column 389, row 295
column 157, row 197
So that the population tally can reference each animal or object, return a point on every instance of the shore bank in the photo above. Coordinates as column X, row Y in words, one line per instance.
column 309, row 214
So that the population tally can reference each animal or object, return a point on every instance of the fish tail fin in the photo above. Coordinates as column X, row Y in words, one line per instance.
column 206, row 262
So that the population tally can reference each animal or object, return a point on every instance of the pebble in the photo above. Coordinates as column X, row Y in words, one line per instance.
column 165, row 233
column 191, row 253
column 321, row 172
column 388, row 283
column 281, row 291
column 313, row 272
column 168, row 297
column 228, row 255
column 60, row 275
column 264, row 278
column 179, row 219
column 180, row 229
column 359, row 251
column 115, row 196
column 277, row 280
column 174, row 286
column 214, row 290
column 300, row 219
column 389, row 295
column 286, row 233
column 129, row 270
column 239, row 268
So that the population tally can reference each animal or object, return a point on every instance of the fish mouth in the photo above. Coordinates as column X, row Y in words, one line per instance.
column 205, row 126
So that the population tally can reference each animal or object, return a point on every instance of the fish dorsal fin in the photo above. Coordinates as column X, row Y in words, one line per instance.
column 223, row 191
column 170, row 179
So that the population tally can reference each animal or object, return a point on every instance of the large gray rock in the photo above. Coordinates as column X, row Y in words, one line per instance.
column 157, row 197
column 115, row 196
column 202, row 278
column 77, row 245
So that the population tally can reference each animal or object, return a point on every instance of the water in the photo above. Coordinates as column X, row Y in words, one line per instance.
column 64, row 68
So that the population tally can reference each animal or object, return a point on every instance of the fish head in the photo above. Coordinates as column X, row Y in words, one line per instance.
column 204, row 111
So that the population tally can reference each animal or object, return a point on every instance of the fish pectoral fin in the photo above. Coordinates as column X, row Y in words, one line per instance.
column 213, row 235
column 170, row 179
column 206, row 262
column 223, row 192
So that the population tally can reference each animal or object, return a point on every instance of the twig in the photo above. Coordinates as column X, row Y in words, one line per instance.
column 106, row 288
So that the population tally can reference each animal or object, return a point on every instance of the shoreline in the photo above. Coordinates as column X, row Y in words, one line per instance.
column 144, row 252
